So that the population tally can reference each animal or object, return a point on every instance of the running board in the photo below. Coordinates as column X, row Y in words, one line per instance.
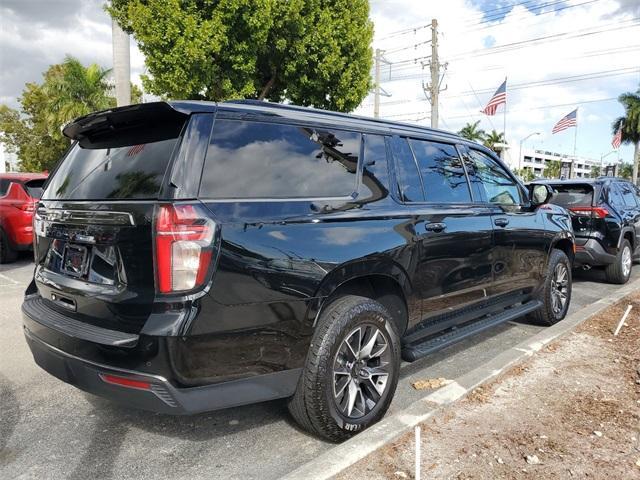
column 418, row 349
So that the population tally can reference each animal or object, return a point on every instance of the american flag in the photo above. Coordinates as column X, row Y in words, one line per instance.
column 136, row 149
column 498, row 99
column 569, row 120
column 617, row 139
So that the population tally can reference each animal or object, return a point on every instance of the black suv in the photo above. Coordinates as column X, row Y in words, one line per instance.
column 192, row 256
column 606, row 222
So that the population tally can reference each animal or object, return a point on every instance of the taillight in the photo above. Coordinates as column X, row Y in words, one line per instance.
column 597, row 212
column 183, row 247
column 28, row 207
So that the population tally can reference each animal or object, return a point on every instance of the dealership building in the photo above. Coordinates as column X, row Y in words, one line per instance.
column 537, row 160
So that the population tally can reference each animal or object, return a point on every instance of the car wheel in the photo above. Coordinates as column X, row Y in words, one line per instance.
column 7, row 254
column 620, row 270
column 556, row 291
column 351, row 372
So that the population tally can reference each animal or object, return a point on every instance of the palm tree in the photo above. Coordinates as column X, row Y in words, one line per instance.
column 552, row 169
column 76, row 90
column 492, row 138
column 630, row 125
column 471, row 132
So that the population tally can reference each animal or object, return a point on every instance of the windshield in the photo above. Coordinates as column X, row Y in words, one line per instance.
column 133, row 171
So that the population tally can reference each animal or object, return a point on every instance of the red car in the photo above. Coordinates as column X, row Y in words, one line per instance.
column 19, row 193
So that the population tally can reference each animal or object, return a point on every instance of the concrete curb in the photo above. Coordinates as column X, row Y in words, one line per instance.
column 342, row 456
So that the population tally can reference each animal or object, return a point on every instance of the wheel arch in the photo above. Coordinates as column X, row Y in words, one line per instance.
column 383, row 281
column 566, row 243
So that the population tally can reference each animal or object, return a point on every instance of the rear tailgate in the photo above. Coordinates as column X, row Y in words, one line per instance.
column 93, row 225
column 579, row 200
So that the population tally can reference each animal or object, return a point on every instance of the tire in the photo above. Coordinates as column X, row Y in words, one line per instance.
column 7, row 253
column 620, row 270
column 553, row 310
column 332, row 376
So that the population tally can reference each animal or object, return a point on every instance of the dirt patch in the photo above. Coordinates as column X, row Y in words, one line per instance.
column 570, row 411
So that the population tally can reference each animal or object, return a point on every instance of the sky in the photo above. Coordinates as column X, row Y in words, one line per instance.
column 588, row 53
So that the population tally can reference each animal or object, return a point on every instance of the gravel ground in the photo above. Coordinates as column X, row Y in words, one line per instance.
column 570, row 411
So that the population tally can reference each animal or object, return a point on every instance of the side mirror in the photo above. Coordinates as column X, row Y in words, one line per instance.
column 540, row 194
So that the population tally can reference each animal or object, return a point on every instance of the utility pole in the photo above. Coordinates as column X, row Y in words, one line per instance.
column 376, row 91
column 435, row 74
column 121, row 64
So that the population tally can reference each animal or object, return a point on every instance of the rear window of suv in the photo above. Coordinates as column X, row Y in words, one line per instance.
column 251, row 160
column 572, row 195
column 132, row 171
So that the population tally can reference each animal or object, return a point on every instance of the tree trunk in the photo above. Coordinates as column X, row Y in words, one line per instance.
column 267, row 88
column 636, row 160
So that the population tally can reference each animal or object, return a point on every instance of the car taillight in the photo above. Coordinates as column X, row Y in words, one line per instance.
column 183, row 247
column 28, row 207
column 597, row 212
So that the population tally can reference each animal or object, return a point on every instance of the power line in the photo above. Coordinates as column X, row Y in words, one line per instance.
column 410, row 68
column 542, row 107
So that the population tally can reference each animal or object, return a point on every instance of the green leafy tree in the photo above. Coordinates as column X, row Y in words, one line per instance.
column 309, row 52
column 492, row 138
column 471, row 132
column 630, row 124
column 68, row 90
column 552, row 169
column 625, row 170
column 595, row 171
column 525, row 174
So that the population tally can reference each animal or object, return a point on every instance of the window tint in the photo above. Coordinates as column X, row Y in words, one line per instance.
column 615, row 196
column 4, row 186
column 442, row 172
column 627, row 195
column 265, row 160
column 407, row 173
column 375, row 174
column 34, row 187
column 491, row 181
column 572, row 195
column 133, row 171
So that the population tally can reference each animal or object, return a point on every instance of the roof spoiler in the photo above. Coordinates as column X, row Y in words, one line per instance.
column 129, row 125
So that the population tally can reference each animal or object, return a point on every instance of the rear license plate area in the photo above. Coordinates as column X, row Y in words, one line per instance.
column 74, row 260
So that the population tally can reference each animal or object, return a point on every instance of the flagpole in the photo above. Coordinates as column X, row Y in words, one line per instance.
column 575, row 141
column 504, row 124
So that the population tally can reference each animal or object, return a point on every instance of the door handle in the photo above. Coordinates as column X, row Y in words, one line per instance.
column 501, row 222
column 435, row 227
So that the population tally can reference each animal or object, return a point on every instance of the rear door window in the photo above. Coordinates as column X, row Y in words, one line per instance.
column 129, row 172
column 442, row 172
column 627, row 195
column 252, row 160
column 491, row 181
column 408, row 177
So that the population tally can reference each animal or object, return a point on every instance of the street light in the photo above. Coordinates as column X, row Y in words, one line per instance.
column 521, row 142
column 602, row 157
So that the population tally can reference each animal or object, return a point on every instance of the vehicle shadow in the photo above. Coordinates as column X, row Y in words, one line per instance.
column 24, row 259
column 113, row 422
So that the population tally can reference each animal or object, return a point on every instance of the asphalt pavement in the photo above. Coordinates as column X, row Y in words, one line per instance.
column 49, row 429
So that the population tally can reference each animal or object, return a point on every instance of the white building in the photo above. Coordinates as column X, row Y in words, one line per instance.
column 537, row 160
column 8, row 161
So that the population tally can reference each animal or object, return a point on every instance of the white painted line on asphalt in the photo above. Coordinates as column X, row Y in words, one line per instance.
column 10, row 280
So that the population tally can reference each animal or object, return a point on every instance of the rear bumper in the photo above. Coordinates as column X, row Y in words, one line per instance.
column 592, row 253
column 159, row 393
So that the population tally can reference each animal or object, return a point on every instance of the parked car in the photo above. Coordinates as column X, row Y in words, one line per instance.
column 605, row 213
column 192, row 256
column 19, row 192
